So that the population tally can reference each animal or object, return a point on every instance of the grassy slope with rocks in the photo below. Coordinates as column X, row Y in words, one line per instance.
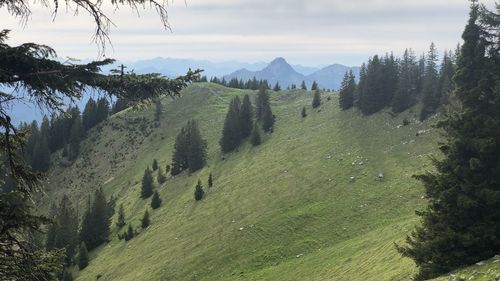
column 285, row 210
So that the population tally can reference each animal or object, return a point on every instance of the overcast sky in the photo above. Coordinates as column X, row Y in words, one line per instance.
column 308, row 32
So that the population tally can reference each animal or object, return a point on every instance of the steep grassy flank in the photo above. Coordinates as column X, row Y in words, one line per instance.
column 286, row 210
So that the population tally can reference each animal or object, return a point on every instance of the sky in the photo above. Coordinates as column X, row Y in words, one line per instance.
column 307, row 32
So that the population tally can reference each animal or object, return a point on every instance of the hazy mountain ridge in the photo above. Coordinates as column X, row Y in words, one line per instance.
column 279, row 70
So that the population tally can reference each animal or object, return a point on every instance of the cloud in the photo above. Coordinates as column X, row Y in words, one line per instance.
column 308, row 32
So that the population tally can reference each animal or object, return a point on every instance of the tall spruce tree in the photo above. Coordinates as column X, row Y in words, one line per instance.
column 179, row 156
column 256, row 138
column 268, row 120
column 145, row 221
column 347, row 91
column 75, row 137
column 264, row 113
column 246, row 117
column 120, row 221
column 461, row 223
column 316, row 102
column 197, row 148
column 190, row 149
column 372, row 97
column 389, row 80
column 231, row 132
column 446, row 72
column 41, row 154
column 155, row 201
column 89, row 114
column 406, row 93
column 147, row 185
column 63, row 232
column 430, row 92
column 97, row 220
column 83, row 256
column 360, row 88
column 161, row 178
column 210, row 180
column 314, row 86
column 277, row 87
column 303, row 86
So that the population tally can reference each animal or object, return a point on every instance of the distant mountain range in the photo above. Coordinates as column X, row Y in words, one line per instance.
column 279, row 70
column 172, row 67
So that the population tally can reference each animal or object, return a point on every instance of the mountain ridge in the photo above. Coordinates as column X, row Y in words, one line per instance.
column 280, row 71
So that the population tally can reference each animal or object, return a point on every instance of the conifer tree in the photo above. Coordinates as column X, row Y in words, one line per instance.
column 231, row 132
column 101, row 217
column 246, row 117
column 372, row 97
column 361, row 87
column 262, row 101
column 121, row 217
column 461, row 223
column 430, row 95
column 75, row 137
column 446, row 72
column 41, row 155
column 129, row 234
column 145, row 219
column 179, row 157
column 147, row 184
column 316, row 102
column 268, row 120
column 197, row 148
column 347, row 91
column 89, row 114
column 161, row 178
column 83, row 256
column 210, row 180
column 190, row 149
column 156, row 201
column 303, row 86
column 63, row 233
column 264, row 112
column 96, row 221
column 158, row 109
column 277, row 87
column 199, row 192
column 155, row 165
column 66, row 275
column 314, row 86
column 102, row 109
column 389, row 79
column 304, row 113
column 406, row 93
column 256, row 139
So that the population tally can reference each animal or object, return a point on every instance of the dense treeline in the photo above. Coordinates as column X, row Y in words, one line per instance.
column 76, row 239
column 65, row 131
column 239, row 121
column 399, row 83
column 251, row 84
column 461, row 224
column 62, row 131
column 96, row 221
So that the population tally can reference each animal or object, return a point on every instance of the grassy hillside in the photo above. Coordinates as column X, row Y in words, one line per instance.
column 285, row 210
